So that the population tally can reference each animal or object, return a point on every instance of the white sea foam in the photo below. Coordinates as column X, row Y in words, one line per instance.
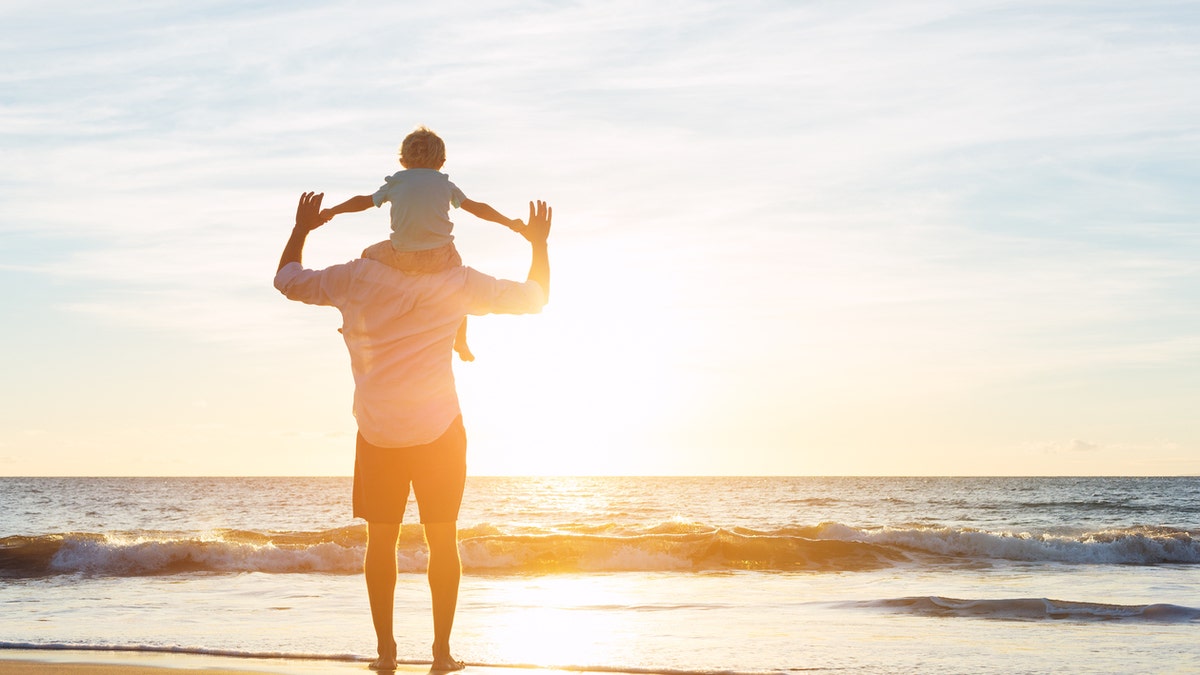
column 1135, row 546
column 122, row 556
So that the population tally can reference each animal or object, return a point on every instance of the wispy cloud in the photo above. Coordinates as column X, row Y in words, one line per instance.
column 958, row 194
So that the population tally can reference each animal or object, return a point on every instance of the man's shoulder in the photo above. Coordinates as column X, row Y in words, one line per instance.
column 471, row 274
column 489, row 295
column 355, row 266
column 474, row 279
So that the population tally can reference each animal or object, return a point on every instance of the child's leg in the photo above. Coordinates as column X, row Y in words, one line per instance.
column 460, row 342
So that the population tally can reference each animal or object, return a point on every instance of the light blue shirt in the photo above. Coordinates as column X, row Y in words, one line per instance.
column 421, row 201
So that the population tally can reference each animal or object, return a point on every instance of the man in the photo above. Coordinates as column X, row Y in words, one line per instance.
column 399, row 329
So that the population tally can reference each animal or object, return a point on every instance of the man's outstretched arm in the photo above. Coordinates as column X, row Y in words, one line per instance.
column 536, row 232
column 308, row 218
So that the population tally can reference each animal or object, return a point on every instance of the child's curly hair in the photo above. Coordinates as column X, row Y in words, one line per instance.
column 422, row 149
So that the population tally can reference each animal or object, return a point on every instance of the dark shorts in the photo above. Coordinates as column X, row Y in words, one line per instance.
column 437, row 472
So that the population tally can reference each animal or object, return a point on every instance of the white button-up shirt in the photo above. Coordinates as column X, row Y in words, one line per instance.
column 399, row 329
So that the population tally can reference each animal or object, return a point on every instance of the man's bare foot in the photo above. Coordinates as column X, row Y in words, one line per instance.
column 445, row 664
column 383, row 664
column 465, row 354
column 387, row 659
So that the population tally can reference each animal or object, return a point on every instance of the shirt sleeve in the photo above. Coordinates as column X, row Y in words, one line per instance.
column 380, row 195
column 488, row 295
column 456, row 196
column 314, row 287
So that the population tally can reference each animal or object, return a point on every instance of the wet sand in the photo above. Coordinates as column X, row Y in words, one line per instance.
column 68, row 662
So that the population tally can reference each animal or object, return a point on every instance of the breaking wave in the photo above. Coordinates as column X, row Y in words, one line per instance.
column 1035, row 609
column 672, row 546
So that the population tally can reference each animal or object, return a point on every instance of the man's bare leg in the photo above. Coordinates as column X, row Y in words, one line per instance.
column 445, row 570
column 380, row 570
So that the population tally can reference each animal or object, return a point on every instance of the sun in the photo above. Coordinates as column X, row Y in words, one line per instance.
column 578, row 390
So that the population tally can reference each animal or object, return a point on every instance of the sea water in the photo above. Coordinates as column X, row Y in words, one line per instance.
column 717, row 574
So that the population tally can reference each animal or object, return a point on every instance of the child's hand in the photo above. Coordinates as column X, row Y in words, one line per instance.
column 326, row 215
column 516, row 225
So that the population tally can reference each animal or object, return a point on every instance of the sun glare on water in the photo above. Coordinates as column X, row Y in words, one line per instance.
column 558, row 618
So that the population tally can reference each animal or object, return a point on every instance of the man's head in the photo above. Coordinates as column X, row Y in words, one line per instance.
column 422, row 149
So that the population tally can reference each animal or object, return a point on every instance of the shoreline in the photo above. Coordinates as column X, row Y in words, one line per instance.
column 120, row 662
column 33, row 661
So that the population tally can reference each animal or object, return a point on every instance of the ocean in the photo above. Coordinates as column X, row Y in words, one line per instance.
column 694, row 575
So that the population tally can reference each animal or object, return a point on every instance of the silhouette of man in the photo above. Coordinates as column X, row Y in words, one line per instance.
column 399, row 329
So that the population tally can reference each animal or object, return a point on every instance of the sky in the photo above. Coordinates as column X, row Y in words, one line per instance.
column 790, row 237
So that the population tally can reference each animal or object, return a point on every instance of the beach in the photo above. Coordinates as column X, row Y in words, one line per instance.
column 681, row 575
column 42, row 662
column 72, row 662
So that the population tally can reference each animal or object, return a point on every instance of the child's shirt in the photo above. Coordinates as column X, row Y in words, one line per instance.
column 421, row 201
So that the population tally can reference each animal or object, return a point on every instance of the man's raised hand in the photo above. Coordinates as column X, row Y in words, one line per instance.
column 308, row 211
column 537, row 231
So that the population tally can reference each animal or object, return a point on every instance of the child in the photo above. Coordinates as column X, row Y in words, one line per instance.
column 421, row 196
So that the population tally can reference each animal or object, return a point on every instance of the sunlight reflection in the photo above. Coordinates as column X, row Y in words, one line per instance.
column 557, row 621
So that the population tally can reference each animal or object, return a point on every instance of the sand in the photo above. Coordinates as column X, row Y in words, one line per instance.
column 67, row 662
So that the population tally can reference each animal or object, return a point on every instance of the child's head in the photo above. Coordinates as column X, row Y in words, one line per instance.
column 422, row 149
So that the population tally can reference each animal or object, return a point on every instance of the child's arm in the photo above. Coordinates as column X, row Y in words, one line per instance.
column 481, row 210
column 352, row 205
